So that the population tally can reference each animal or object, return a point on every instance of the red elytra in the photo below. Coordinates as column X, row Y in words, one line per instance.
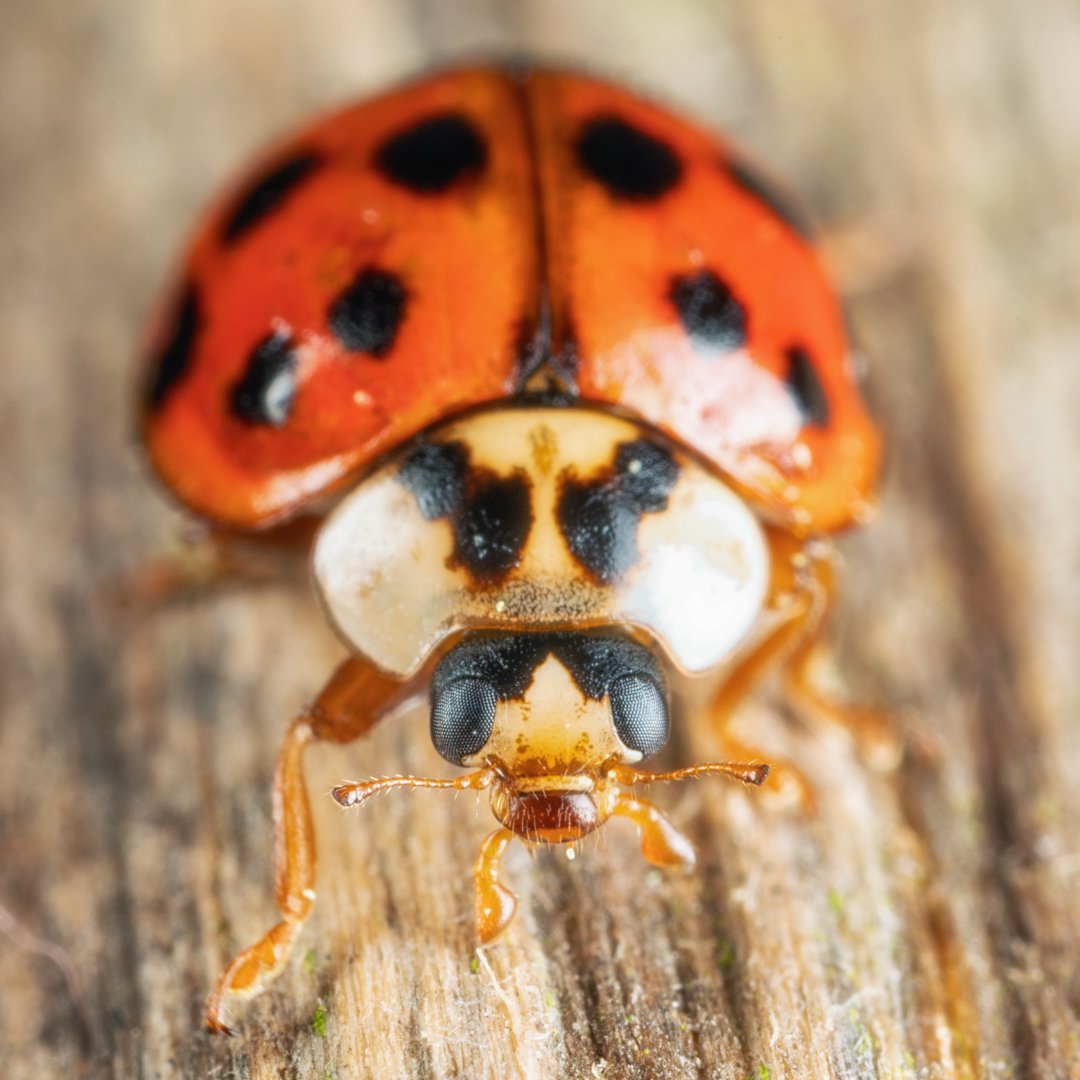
column 565, row 234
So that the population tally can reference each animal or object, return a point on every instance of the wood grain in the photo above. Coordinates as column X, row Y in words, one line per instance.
column 924, row 924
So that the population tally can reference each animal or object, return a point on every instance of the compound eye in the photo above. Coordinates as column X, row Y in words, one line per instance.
column 640, row 713
column 462, row 716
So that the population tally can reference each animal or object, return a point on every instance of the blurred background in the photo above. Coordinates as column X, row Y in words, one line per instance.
column 925, row 924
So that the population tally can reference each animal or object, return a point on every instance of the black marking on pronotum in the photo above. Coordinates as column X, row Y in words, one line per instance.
column 709, row 311
column 599, row 517
column 494, row 523
column 434, row 474
column 507, row 662
column 174, row 359
column 433, row 154
column 765, row 191
column 630, row 163
column 367, row 315
column 490, row 515
column 265, row 393
column 805, row 386
column 266, row 193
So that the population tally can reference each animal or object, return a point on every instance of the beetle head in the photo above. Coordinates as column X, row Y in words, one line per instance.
column 552, row 724
column 550, row 714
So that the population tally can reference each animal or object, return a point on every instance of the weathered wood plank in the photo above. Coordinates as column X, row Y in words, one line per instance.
column 923, row 924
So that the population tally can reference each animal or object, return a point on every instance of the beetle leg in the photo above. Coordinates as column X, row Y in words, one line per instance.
column 350, row 704
column 495, row 904
column 208, row 558
column 792, row 608
column 872, row 729
column 803, row 586
column 661, row 843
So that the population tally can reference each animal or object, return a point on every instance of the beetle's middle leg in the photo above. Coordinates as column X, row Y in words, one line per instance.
column 356, row 696
column 874, row 731
column 206, row 559
column 802, row 589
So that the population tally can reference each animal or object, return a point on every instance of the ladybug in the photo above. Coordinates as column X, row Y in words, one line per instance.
column 562, row 383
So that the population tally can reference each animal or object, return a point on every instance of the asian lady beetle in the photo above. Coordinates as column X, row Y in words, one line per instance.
column 585, row 386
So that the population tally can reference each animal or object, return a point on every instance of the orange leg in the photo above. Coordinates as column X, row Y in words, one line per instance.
column 350, row 704
column 661, row 843
column 495, row 904
column 802, row 591
column 209, row 558
column 872, row 729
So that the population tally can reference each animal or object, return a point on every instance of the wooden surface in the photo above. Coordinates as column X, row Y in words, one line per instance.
column 925, row 924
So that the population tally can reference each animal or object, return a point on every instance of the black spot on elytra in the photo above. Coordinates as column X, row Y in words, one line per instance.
column 709, row 311
column 266, row 193
column 490, row 515
column 763, row 189
column 599, row 517
column 805, row 386
column 630, row 163
column 507, row 662
column 175, row 357
column 265, row 393
column 432, row 155
column 367, row 315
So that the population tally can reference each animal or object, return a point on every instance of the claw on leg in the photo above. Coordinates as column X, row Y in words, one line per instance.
column 350, row 703
column 252, row 970
column 250, row 973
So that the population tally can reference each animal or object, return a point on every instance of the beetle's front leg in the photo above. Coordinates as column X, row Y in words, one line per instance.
column 348, row 707
column 661, row 843
column 495, row 904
